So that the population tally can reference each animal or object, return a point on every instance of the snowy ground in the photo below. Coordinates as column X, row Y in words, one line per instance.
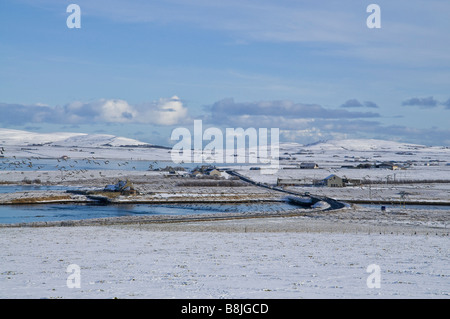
column 146, row 262
column 316, row 256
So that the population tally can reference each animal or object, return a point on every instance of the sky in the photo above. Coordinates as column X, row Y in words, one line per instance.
column 313, row 69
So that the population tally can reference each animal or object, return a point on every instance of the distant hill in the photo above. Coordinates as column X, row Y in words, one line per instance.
column 363, row 145
column 17, row 137
column 65, row 139
column 359, row 145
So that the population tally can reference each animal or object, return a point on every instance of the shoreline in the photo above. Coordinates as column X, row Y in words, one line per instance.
column 125, row 202
column 395, row 202
column 352, row 219
column 108, row 201
column 160, row 219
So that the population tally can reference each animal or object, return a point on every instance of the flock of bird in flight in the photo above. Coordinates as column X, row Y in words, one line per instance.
column 63, row 164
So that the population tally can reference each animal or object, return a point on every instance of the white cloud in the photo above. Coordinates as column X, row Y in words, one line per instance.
column 118, row 111
column 103, row 110
column 163, row 112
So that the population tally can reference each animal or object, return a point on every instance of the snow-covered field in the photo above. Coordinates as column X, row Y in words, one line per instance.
column 381, row 176
column 145, row 262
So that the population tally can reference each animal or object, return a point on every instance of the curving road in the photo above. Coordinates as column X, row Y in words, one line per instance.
column 334, row 204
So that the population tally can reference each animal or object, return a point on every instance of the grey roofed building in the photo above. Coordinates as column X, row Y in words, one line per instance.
column 308, row 166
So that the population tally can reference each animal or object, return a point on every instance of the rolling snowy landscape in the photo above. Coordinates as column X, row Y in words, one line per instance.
column 314, row 254
column 225, row 150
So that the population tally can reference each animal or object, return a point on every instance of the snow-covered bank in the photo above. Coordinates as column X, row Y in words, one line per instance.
column 140, row 262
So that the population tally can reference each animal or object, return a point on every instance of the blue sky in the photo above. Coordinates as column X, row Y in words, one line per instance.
column 311, row 68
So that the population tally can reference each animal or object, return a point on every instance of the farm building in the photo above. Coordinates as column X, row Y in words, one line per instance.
column 308, row 166
column 206, row 171
column 124, row 187
column 333, row 181
column 214, row 172
column 388, row 165
column 196, row 173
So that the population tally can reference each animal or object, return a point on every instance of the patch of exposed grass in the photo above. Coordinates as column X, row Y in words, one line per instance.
column 27, row 200
column 110, row 195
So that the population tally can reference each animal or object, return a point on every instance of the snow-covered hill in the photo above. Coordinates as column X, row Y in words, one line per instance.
column 358, row 145
column 363, row 145
column 22, row 143
column 24, row 138
column 96, row 140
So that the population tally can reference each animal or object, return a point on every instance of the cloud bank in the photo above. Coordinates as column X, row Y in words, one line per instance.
column 306, row 123
column 165, row 111
column 298, row 122
column 282, row 112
